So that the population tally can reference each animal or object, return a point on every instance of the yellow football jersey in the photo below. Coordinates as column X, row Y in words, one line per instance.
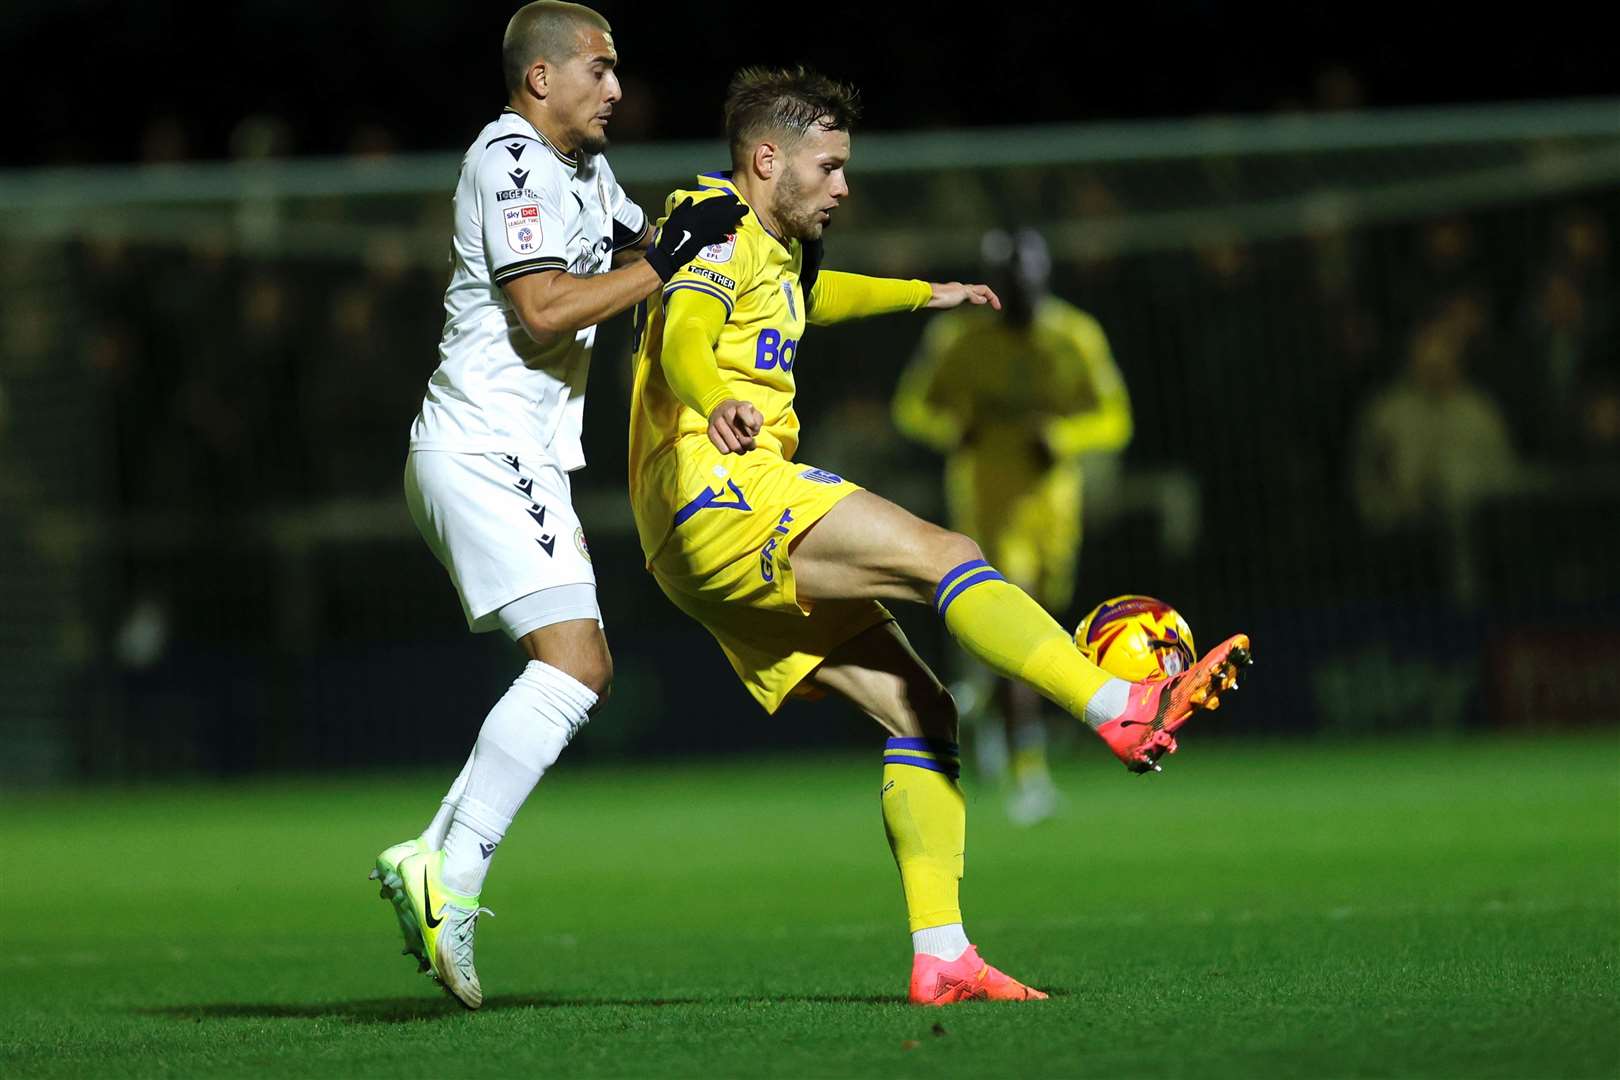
column 1014, row 409
column 718, row 529
column 979, row 384
column 756, row 277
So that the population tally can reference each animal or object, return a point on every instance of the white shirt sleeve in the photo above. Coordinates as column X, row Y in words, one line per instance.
column 522, row 196
column 630, row 222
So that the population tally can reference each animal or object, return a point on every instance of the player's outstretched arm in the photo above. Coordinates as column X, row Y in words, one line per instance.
column 954, row 294
column 555, row 303
column 838, row 296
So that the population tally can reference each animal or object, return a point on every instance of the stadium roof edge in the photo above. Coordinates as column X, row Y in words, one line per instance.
column 1009, row 147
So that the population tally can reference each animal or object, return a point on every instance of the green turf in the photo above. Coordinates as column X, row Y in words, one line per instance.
column 1399, row 909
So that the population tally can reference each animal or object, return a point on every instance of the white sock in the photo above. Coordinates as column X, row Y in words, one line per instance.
column 523, row 734
column 946, row 942
column 1108, row 703
column 433, row 835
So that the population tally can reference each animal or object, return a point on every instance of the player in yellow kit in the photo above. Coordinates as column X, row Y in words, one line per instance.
column 785, row 563
column 1015, row 399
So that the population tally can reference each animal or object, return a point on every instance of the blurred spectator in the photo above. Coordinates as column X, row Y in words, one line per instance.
column 164, row 141
column 259, row 215
column 1600, row 423
column 1339, row 89
column 1090, row 201
column 1431, row 442
column 1581, row 243
column 1565, row 332
column 1561, row 340
column 229, row 409
column 260, row 137
column 360, row 393
column 372, row 142
column 1447, row 261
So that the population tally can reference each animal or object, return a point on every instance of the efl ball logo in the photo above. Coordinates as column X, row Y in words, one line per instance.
column 1137, row 638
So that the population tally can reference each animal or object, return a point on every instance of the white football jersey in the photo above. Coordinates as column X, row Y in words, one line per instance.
column 521, row 206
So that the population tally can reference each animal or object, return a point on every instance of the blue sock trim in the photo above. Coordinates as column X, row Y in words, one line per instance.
column 933, row 746
column 950, row 768
column 967, row 583
column 944, row 582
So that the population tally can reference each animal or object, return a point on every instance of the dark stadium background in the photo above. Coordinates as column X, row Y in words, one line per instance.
column 426, row 72
column 1354, row 635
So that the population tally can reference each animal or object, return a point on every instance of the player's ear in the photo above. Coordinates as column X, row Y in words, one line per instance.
column 765, row 160
column 538, row 74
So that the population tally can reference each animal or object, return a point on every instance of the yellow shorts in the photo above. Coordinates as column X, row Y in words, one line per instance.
column 726, row 564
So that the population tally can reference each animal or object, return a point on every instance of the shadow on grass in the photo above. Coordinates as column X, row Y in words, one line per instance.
column 408, row 1010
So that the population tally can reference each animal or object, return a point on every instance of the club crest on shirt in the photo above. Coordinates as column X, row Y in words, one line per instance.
column 721, row 252
column 523, row 233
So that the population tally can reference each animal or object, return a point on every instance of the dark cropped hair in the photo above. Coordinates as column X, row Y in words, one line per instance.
column 545, row 29
column 762, row 102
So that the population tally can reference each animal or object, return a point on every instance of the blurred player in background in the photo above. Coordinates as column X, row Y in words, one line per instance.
column 539, row 223
column 785, row 563
column 1016, row 399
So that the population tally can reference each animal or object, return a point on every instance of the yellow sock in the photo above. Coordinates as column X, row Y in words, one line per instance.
column 926, row 819
column 1000, row 624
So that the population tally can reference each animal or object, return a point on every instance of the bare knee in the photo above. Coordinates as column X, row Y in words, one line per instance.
column 936, row 552
column 948, row 551
column 580, row 653
column 596, row 675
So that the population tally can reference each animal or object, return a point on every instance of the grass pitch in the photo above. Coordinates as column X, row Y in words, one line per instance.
column 1392, row 909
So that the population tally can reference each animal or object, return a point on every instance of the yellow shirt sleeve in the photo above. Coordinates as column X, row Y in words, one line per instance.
column 1105, row 425
column 838, row 296
column 692, row 324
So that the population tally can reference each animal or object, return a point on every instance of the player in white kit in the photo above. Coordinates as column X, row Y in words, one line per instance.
column 540, row 224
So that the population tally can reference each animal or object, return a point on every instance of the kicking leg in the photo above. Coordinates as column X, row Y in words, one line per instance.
column 868, row 547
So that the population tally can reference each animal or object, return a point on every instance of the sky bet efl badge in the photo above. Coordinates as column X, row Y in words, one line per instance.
column 523, row 228
column 720, row 252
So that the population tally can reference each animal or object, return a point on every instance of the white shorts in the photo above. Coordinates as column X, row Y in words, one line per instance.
column 504, row 528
